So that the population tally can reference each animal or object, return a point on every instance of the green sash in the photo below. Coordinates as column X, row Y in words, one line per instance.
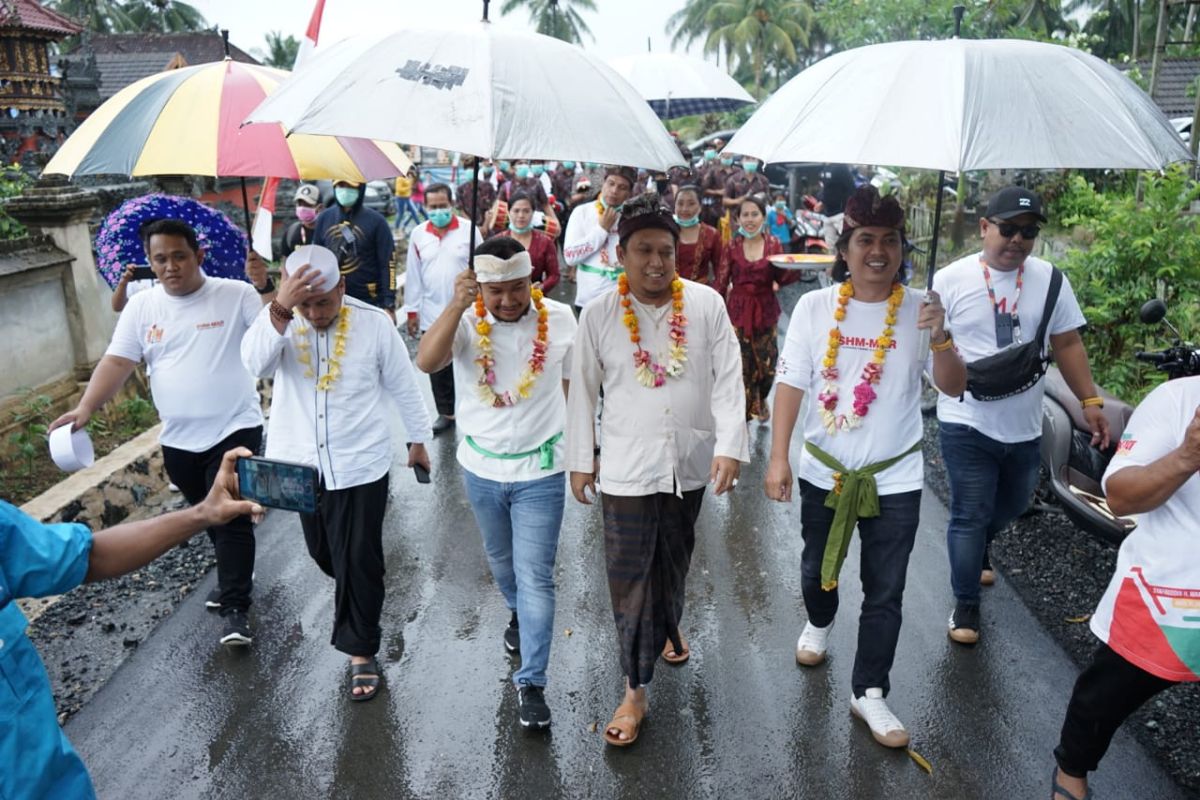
column 855, row 494
column 607, row 272
column 545, row 451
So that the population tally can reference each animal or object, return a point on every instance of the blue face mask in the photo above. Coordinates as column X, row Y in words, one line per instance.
column 346, row 195
column 709, row 155
column 591, row 165
column 515, row 229
column 505, row 166
column 691, row 222
column 468, row 175
column 522, row 172
column 750, row 166
column 727, row 162
column 485, row 172
column 781, row 205
column 537, row 169
column 440, row 217
column 569, row 164
column 747, row 234
column 607, row 207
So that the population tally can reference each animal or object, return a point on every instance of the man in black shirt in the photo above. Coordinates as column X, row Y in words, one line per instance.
column 363, row 243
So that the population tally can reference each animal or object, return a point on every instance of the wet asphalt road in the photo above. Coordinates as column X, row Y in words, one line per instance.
column 187, row 718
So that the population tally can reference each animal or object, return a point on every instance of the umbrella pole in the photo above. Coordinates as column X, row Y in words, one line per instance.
column 246, row 208
column 474, row 213
column 933, row 237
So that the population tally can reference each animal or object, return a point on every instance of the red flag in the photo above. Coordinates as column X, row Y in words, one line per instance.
column 309, row 42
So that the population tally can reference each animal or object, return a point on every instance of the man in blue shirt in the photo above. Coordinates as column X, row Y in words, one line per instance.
column 37, row 560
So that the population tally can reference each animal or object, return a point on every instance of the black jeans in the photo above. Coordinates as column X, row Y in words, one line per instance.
column 345, row 538
column 194, row 474
column 442, row 383
column 1106, row 693
column 886, row 542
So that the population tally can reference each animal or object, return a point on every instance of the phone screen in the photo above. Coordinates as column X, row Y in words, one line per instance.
column 143, row 274
column 278, row 484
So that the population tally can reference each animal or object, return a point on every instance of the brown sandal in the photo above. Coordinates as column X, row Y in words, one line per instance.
column 671, row 657
column 625, row 711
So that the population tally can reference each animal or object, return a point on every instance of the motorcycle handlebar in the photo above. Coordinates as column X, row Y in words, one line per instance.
column 1153, row 358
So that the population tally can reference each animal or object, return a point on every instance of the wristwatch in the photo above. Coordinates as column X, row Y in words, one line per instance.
column 270, row 287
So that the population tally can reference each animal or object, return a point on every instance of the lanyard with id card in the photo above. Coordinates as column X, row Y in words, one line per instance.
column 1008, row 324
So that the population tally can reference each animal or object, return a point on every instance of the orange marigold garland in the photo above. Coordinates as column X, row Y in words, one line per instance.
column 649, row 373
column 487, row 361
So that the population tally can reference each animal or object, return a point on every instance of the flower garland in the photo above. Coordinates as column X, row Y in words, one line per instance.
column 864, row 394
column 487, row 362
column 650, row 374
column 304, row 356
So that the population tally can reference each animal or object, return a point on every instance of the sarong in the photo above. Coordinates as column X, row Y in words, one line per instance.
column 648, row 544
column 760, row 353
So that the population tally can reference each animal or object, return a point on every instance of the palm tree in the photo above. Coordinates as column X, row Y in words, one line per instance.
column 757, row 31
column 558, row 18
column 281, row 50
column 98, row 16
column 165, row 16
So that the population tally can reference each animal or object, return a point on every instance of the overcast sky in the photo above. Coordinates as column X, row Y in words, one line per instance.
column 620, row 28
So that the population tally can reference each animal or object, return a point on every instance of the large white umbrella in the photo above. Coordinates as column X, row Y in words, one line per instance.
column 475, row 89
column 677, row 86
column 962, row 104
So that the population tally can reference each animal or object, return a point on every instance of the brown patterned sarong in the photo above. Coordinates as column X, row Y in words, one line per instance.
column 760, row 353
column 648, row 544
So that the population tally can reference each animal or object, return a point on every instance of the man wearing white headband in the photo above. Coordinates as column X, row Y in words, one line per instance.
column 334, row 359
column 512, row 347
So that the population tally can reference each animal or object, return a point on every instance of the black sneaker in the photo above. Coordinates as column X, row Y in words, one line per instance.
column 213, row 600
column 442, row 424
column 512, row 635
column 237, row 629
column 964, row 623
column 532, row 706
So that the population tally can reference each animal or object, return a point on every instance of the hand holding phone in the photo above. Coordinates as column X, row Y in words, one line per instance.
column 278, row 484
column 141, row 273
column 419, row 469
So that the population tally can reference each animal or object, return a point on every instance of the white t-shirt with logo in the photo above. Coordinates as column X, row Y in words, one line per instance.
column 1150, row 613
column 192, row 346
column 971, row 321
column 893, row 421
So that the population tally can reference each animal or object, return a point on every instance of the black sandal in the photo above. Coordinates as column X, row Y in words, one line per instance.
column 1057, row 789
column 364, row 676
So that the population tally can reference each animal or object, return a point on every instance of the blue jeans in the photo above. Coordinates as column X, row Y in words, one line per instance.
column 520, row 523
column 991, row 484
column 886, row 542
column 407, row 207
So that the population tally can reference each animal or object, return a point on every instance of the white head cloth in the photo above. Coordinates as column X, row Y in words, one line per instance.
column 491, row 269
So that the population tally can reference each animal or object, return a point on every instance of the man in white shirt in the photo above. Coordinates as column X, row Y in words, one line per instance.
column 334, row 365
column 188, row 330
column 437, row 252
column 854, row 349
column 665, row 354
column 994, row 300
column 513, row 452
column 590, row 244
column 1147, row 620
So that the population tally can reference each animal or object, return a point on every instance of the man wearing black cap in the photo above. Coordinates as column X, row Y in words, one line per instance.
column 995, row 300
column 665, row 355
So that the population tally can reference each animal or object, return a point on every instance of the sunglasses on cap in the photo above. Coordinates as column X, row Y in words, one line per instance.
column 1009, row 230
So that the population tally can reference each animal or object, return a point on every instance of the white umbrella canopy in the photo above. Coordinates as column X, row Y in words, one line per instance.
column 475, row 89
column 963, row 104
column 677, row 86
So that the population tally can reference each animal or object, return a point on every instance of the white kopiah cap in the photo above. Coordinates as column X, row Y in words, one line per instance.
column 321, row 259
column 491, row 269
column 71, row 451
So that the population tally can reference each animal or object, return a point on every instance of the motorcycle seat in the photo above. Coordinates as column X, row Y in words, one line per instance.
column 1116, row 409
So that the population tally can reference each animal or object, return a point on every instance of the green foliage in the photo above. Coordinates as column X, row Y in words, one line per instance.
column 33, row 419
column 1129, row 254
column 133, row 16
column 13, row 181
column 558, row 18
column 281, row 50
column 135, row 415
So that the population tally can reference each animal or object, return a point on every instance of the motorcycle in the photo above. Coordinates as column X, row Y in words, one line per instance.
column 1073, row 468
column 810, row 225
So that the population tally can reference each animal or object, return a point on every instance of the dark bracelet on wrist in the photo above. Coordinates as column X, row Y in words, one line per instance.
column 270, row 287
column 280, row 313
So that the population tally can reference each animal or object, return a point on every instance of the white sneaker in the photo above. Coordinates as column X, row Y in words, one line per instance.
column 813, row 642
column 872, row 709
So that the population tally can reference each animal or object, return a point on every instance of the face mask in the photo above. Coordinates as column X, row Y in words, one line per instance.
column 537, row 169
column 747, row 234
column 505, row 166
column 750, row 166
column 781, row 205
column 440, row 217
column 727, row 162
column 709, row 155
column 346, row 195
column 591, row 165
column 607, row 207
column 568, row 164
column 305, row 214
column 486, row 172
column 691, row 222
column 522, row 172
column 468, row 175
column 515, row 229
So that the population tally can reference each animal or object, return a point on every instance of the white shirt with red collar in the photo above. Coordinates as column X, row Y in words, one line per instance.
column 435, row 257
